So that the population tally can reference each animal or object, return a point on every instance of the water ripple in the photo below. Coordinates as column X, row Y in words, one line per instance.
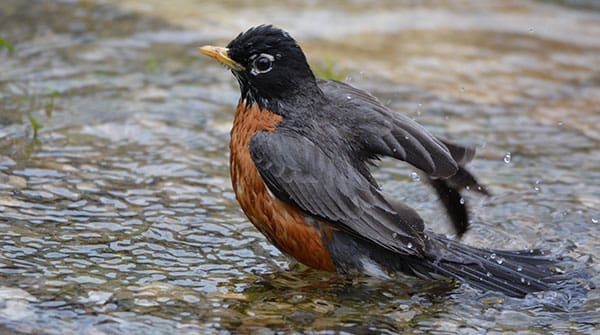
column 119, row 217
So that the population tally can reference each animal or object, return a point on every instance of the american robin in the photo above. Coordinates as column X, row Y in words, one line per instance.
column 301, row 147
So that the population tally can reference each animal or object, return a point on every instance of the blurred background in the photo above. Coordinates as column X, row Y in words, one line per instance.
column 116, row 210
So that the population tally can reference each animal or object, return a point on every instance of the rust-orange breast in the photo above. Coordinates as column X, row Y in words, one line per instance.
column 283, row 224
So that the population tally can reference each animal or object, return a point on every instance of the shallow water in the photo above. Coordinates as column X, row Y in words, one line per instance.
column 119, row 216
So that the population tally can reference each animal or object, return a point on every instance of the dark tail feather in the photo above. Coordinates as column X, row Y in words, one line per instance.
column 448, row 191
column 514, row 273
column 455, row 205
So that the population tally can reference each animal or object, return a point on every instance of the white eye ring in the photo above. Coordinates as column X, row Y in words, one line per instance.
column 262, row 63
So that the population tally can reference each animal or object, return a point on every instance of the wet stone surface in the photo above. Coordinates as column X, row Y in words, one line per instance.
column 119, row 218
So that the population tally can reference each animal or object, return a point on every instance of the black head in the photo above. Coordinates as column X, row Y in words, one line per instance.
column 268, row 64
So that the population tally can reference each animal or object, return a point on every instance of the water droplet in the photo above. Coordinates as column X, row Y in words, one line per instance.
column 395, row 236
column 488, row 274
column 348, row 97
column 560, row 123
column 522, row 280
column 520, row 268
column 394, row 150
column 419, row 106
column 493, row 256
column 507, row 157
column 406, row 137
column 415, row 176
column 409, row 245
column 594, row 220
column 531, row 251
column 500, row 260
column 536, row 185
column 468, row 188
column 462, row 201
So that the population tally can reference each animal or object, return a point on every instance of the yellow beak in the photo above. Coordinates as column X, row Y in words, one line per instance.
column 222, row 55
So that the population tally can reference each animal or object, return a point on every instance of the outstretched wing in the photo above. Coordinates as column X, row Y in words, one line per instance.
column 383, row 132
column 299, row 172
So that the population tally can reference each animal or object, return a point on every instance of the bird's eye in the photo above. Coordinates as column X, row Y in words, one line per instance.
column 262, row 64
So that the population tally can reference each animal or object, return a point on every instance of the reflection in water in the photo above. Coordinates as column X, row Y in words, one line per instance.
column 121, row 219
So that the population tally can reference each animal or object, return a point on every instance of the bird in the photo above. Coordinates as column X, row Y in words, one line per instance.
column 301, row 153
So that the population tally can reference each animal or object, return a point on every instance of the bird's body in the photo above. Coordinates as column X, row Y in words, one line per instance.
column 300, row 154
column 283, row 224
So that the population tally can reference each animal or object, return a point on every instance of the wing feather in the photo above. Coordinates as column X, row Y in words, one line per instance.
column 300, row 172
column 384, row 132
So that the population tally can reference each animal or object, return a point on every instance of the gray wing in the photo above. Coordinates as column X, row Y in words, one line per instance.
column 383, row 132
column 299, row 172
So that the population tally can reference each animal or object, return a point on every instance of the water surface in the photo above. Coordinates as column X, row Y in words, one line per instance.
column 119, row 216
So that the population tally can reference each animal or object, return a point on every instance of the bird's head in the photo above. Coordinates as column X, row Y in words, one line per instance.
column 268, row 64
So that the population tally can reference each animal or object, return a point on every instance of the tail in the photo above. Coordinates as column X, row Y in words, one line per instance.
column 514, row 273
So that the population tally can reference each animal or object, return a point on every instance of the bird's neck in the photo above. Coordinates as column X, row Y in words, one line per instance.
column 290, row 97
